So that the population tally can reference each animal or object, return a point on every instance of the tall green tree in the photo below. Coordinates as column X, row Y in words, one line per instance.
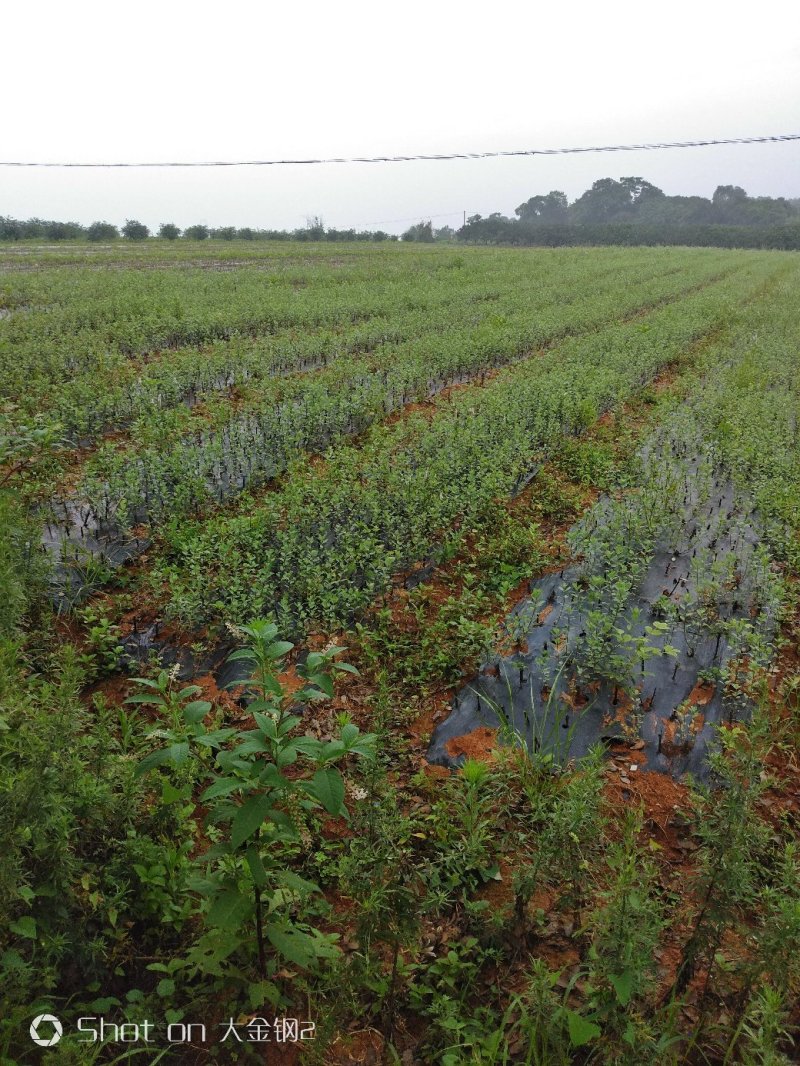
column 551, row 209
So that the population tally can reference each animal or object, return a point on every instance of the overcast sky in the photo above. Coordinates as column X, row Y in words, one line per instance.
column 172, row 80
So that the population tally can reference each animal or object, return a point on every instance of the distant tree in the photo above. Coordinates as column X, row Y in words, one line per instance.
column 550, row 209
column 613, row 201
column 196, row 233
column 314, row 229
column 676, row 210
column 444, row 233
column 63, row 231
column 341, row 235
column 102, row 231
column 725, row 195
column 422, row 231
column 730, row 204
column 606, row 201
column 766, row 211
column 168, row 231
column 246, row 234
column 224, row 233
column 135, row 231
column 640, row 192
column 496, row 229
column 33, row 228
column 10, row 229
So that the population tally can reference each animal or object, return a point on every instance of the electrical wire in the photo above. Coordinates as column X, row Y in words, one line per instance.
column 412, row 218
column 647, row 147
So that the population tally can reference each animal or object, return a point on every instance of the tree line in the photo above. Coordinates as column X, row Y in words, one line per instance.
column 633, row 211
column 12, row 229
column 630, row 210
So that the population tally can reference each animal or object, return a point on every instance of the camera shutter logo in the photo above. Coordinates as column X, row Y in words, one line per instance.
column 44, row 1019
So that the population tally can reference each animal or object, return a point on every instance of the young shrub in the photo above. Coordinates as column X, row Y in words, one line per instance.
column 256, row 810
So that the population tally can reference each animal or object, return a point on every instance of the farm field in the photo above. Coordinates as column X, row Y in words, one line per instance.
column 401, row 640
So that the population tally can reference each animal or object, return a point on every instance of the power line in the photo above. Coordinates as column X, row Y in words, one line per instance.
column 650, row 147
column 412, row 218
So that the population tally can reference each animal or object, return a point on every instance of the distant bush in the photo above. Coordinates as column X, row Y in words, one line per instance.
column 224, row 233
column 135, row 231
column 168, row 231
column 196, row 233
column 102, row 231
column 63, row 231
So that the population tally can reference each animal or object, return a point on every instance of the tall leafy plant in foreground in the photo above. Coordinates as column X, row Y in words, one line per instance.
column 257, row 809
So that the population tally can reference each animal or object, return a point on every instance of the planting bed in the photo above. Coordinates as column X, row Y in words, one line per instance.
column 645, row 638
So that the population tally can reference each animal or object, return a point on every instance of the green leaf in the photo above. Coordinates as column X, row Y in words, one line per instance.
column 169, row 794
column 104, row 1004
column 223, row 786
column 294, row 881
column 349, row 734
column 190, row 690
column 309, row 694
column 241, row 655
column 288, row 724
column 264, row 992
column 196, row 711
column 273, row 685
column 257, row 870
column 229, row 910
column 175, row 754
column 327, row 786
column 331, row 751
column 252, row 746
column 363, row 745
column 270, row 776
column 581, row 1031
column 178, row 753
column 265, row 722
column 25, row 926
column 282, row 819
column 205, row 886
column 217, row 738
column 623, row 986
column 149, row 682
column 279, row 649
column 287, row 755
column 294, row 945
column 309, row 746
column 322, row 681
column 250, row 817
